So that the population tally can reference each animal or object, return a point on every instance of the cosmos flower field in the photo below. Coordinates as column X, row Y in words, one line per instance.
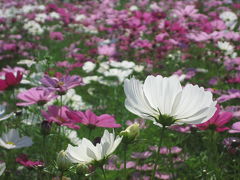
column 118, row 90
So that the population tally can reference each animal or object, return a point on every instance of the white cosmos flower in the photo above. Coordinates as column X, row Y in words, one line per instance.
column 164, row 98
column 230, row 19
column 88, row 66
column 225, row 46
column 86, row 152
column 12, row 140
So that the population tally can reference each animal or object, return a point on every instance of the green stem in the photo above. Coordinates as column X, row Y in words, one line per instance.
column 213, row 156
column 44, row 148
column 89, row 133
column 157, row 155
column 125, row 159
column 61, row 104
column 61, row 175
column 104, row 174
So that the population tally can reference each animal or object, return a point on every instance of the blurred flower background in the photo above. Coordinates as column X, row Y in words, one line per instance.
column 70, row 71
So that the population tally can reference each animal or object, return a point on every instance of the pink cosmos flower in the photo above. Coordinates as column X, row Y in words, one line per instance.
column 187, row 11
column 141, row 155
column 138, row 175
column 145, row 167
column 232, row 144
column 235, row 110
column 107, row 50
column 198, row 36
column 61, row 84
column 129, row 164
column 165, row 150
column 90, row 119
column 9, row 47
column 232, row 94
column 217, row 122
column 235, row 128
column 23, row 160
column 213, row 81
column 182, row 129
column 10, row 80
column 37, row 95
column 112, row 163
column 218, row 25
column 56, row 36
column 235, row 79
column 14, row 70
column 141, row 123
column 160, row 175
column 59, row 115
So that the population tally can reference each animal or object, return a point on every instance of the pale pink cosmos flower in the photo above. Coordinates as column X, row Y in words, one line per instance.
column 165, row 150
column 232, row 94
column 187, row 11
column 59, row 115
column 56, row 36
column 92, row 120
column 183, row 129
column 141, row 123
column 107, row 50
column 145, row 167
column 217, row 122
column 160, row 175
column 198, row 36
column 218, row 25
column 141, row 155
column 235, row 128
column 14, row 70
column 111, row 165
column 235, row 110
column 129, row 164
column 61, row 84
column 36, row 95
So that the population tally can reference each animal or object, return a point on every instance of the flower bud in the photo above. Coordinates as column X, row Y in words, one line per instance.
column 130, row 133
column 63, row 163
column 82, row 169
column 45, row 128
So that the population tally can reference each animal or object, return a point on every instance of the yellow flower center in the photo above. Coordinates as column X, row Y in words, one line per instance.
column 60, row 83
column 61, row 119
column 11, row 143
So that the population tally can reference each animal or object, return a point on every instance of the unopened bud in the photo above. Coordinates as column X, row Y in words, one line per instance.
column 82, row 169
column 45, row 128
column 63, row 163
column 130, row 133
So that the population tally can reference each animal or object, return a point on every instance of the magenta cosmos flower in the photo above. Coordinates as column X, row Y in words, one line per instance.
column 23, row 160
column 61, row 84
column 90, row 119
column 59, row 115
column 10, row 80
column 235, row 128
column 35, row 95
column 217, row 122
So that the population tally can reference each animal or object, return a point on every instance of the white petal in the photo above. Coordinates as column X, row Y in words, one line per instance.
column 193, row 99
column 77, row 154
column 136, row 101
column 161, row 92
column 2, row 167
column 24, row 142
